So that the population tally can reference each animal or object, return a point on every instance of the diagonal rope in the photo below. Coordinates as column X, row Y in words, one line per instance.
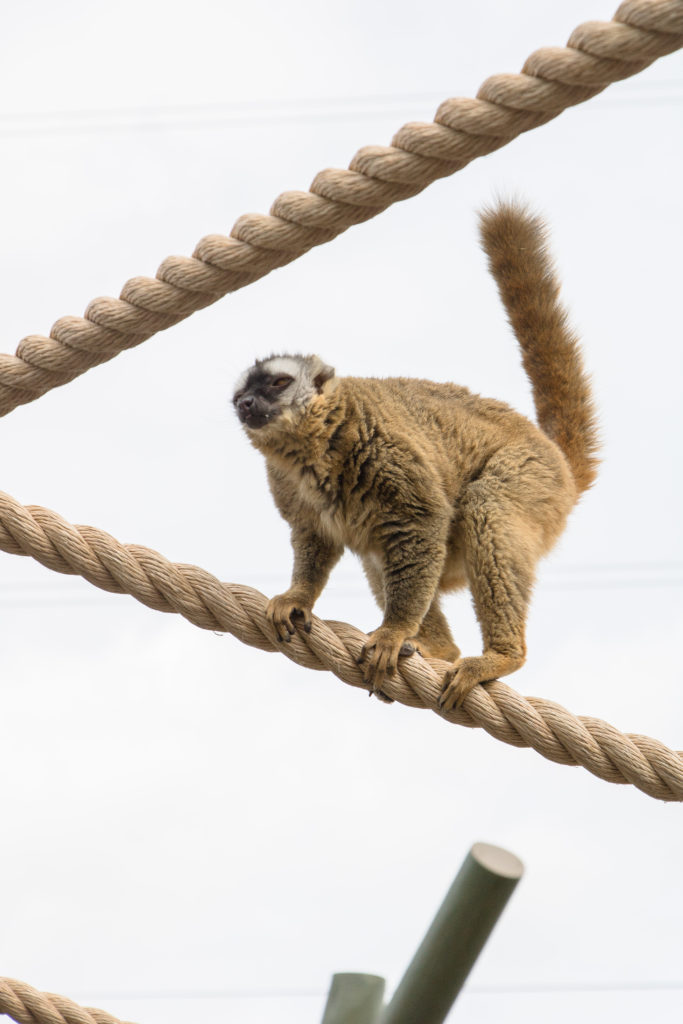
column 552, row 79
column 26, row 1005
column 227, row 607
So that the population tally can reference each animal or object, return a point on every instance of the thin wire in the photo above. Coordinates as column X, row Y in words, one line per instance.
column 479, row 990
column 47, row 598
column 583, row 986
column 587, row 567
column 309, row 109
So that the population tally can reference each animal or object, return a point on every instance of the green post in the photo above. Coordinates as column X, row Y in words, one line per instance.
column 455, row 937
column 354, row 999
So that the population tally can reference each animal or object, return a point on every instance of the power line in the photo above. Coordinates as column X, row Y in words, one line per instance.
column 477, row 990
column 581, row 986
column 200, row 115
column 68, row 601
column 608, row 576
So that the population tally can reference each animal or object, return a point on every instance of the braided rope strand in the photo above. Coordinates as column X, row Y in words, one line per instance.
column 27, row 1005
column 552, row 79
column 335, row 646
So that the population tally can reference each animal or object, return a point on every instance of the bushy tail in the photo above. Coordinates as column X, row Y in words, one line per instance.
column 515, row 243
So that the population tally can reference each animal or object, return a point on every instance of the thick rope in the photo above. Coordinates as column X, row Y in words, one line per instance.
column 552, row 79
column 28, row 1006
column 227, row 607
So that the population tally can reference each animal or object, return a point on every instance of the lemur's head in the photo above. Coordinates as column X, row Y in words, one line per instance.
column 272, row 386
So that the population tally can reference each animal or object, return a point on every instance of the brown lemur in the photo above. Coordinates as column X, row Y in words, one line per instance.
column 435, row 488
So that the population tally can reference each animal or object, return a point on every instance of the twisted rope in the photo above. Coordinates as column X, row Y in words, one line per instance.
column 28, row 1006
column 552, row 79
column 228, row 607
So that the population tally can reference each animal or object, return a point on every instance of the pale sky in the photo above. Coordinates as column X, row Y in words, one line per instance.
column 195, row 830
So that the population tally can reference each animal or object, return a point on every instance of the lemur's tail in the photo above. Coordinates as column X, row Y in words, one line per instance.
column 515, row 243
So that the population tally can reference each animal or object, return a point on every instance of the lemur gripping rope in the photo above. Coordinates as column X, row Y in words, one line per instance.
column 435, row 488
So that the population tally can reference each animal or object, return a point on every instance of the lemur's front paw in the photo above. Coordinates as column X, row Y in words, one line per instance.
column 283, row 609
column 379, row 657
column 460, row 678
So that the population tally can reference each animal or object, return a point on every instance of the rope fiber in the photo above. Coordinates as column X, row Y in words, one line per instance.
column 27, row 1005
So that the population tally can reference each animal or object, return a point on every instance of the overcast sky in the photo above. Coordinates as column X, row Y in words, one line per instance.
column 195, row 830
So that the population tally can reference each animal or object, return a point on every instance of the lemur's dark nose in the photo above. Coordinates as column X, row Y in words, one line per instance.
column 245, row 403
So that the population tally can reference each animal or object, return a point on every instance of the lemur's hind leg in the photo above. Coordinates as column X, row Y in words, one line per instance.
column 501, row 549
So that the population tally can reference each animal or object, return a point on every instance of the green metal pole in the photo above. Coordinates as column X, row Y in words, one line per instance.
column 455, row 937
column 354, row 999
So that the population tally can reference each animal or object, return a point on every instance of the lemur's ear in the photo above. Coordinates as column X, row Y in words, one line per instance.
column 323, row 374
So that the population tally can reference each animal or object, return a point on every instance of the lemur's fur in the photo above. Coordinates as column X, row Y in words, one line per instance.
column 435, row 488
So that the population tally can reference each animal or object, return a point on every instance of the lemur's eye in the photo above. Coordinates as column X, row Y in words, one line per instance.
column 281, row 382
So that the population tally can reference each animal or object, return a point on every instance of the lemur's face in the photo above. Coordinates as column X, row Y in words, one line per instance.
column 273, row 385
